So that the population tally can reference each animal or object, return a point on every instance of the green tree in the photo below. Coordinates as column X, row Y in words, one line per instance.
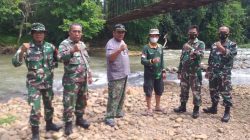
column 138, row 29
column 8, row 9
column 86, row 12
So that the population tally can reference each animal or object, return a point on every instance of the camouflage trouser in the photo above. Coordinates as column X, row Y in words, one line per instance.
column 74, row 100
column 34, row 99
column 116, row 97
column 221, row 86
column 193, row 81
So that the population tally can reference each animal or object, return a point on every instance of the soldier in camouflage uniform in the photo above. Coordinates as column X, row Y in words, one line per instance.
column 117, row 72
column 40, row 59
column 220, row 64
column 189, row 71
column 77, row 75
column 154, row 72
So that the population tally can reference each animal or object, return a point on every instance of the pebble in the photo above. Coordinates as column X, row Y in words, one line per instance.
column 201, row 136
column 178, row 120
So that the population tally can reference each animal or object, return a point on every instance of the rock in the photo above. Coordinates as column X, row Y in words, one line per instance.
column 97, row 110
column 74, row 136
column 105, row 91
column 12, row 132
column 171, row 132
column 57, row 135
column 178, row 120
column 176, row 125
column 201, row 136
column 5, row 137
column 2, row 131
column 220, row 130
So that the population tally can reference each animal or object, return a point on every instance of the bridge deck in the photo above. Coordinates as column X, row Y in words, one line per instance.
column 161, row 7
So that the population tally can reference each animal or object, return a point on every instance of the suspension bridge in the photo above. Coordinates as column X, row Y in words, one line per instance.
column 120, row 11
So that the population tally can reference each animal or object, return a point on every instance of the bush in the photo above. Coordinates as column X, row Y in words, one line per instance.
column 7, row 119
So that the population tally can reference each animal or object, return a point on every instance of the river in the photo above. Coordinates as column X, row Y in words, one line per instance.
column 12, row 81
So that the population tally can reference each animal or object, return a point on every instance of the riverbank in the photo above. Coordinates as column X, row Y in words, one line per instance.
column 134, row 125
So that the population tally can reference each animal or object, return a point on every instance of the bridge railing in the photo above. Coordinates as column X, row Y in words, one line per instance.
column 118, row 7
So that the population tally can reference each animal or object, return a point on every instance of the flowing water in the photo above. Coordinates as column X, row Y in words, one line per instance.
column 12, row 81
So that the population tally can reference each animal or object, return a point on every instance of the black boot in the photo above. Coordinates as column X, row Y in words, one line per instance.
column 82, row 122
column 196, row 112
column 51, row 126
column 212, row 109
column 35, row 133
column 181, row 108
column 68, row 128
column 226, row 116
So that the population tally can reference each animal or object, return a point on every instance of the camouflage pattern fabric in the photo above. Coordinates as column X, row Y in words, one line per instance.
column 116, row 97
column 76, row 70
column 38, row 27
column 219, row 70
column 40, row 62
column 190, row 71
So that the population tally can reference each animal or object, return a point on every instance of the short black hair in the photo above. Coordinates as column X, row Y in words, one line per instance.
column 75, row 24
column 194, row 27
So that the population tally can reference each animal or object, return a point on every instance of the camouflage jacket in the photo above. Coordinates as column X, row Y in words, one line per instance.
column 187, row 63
column 218, row 63
column 149, row 53
column 40, row 61
column 76, row 65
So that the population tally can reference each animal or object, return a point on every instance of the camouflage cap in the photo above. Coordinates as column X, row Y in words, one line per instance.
column 38, row 27
column 119, row 27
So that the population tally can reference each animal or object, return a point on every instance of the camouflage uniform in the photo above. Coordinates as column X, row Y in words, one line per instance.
column 190, row 71
column 219, row 71
column 76, row 70
column 40, row 61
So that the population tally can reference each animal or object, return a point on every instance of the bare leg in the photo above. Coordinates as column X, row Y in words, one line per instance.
column 157, row 101
column 148, row 100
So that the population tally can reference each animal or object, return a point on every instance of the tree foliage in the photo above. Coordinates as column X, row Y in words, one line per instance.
column 138, row 29
column 17, row 16
column 209, row 19
column 88, row 13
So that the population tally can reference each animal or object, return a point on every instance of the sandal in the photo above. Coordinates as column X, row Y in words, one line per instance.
column 148, row 112
column 158, row 109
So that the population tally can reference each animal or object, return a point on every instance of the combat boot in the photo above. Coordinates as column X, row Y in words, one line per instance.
column 212, row 109
column 51, row 126
column 35, row 133
column 181, row 108
column 68, row 128
column 196, row 112
column 82, row 122
column 226, row 116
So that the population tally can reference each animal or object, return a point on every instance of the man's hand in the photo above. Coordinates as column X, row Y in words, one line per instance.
column 164, row 75
column 220, row 47
column 179, row 76
column 186, row 47
column 89, row 78
column 25, row 47
column 76, row 48
column 155, row 60
column 207, row 75
column 123, row 47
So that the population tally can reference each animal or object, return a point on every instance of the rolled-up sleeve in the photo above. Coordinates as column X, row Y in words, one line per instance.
column 16, row 59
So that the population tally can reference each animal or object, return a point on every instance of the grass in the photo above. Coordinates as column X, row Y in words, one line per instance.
column 7, row 119
column 244, row 46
